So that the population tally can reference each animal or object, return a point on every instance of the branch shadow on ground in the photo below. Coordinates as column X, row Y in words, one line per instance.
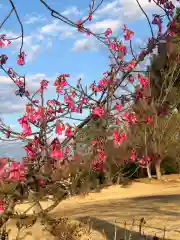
column 109, row 229
column 160, row 211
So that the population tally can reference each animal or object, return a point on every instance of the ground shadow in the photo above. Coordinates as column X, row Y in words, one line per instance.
column 158, row 200
column 160, row 211
column 109, row 229
column 161, row 198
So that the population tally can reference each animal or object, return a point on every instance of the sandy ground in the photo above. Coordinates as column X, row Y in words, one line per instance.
column 158, row 203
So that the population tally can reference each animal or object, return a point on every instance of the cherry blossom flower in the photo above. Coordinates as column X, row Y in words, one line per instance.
column 21, row 59
column 4, row 42
column 59, row 127
column 108, row 32
column 119, row 138
column 2, row 206
column 98, row 111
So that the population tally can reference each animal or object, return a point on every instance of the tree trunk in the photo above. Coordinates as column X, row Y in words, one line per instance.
column 141, row 174
column 158, row 169
column 149, row 172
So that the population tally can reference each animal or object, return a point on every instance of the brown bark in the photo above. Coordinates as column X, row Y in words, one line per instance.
column 149, row 172
column 158, row 169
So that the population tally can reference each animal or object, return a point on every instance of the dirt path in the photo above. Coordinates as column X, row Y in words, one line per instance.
column 159, row 204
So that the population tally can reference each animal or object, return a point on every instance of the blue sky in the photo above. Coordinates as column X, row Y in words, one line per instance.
column 54, row 48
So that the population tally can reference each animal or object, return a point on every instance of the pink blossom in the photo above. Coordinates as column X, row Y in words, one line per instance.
column 118, row 107
column 108, row 32
column 21, row 59
column 129, row 118
column 98, row 111
column 57, row 153
column 133, row 155
column 70, row 102
column 61, row 82
column 144, row 160
column 83, row 101
column 122, row 50
column 30, row 151
column 69, row 132
column 90, row 17
column 3, row 167
column 113, row 46
column 41, row 181
column 144, row 81
column 59, row 127
column 94, row 142
column 67, row 150
column 119, row 138
column 148, row 120
column 131, row 65
column 158, row 21
column 19, row 83
column 128, row 34
column 80, row 26
column 2, row 206
column 25, row 125
column 16, row 171
column 4, row 42
column 43, row 85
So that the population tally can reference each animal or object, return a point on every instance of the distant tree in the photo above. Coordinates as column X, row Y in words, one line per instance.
column 164, row 69
column 158, row 139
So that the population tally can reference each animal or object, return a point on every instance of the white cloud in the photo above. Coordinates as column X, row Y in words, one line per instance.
column 9, row 102
column 31, row 49
column 12, row 149
column 9, row 108
column 50, row 28
column 72, row 11
column 40, row 37
column 85, row 44
column 107, row 8
column 49, row 44
column 57, row 28
column 32, row 44
column 64, row 31
column 66, row 34
column 5, row 80
column 9, row 34
column 76, row 77
column 34, row 52
column 30, row 19
column 28, row 40
column 127, row 9
column 104, row 24
column 32, row 82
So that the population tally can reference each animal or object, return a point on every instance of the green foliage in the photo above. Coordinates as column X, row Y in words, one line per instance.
column 164, row 69
column 169, row 165
column 177, row 14
column 90, row 132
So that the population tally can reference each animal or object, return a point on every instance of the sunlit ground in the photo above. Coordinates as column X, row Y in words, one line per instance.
column 157, row 202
